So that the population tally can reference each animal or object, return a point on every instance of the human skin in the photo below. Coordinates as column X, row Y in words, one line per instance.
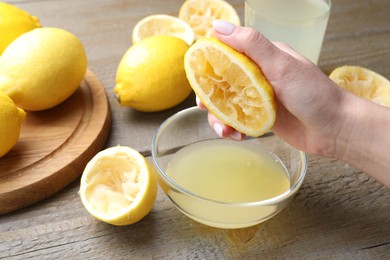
column 313, row 113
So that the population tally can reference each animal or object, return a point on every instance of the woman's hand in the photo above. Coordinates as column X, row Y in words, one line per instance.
column 313, row 113
column 308, row 102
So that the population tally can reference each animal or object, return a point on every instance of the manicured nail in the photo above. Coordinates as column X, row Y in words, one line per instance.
column 218, row 129
column 223, row 27
column 197, row 101
column 236, row 136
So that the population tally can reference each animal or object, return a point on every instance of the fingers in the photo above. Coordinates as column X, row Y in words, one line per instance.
column 266, row 54
column 277, row 60
column 221, row 129
column 200, row 104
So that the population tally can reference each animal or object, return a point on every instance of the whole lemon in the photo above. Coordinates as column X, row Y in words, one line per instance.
column 42, row 68
column 11, row 119
column 13, row 23
column 151, row 76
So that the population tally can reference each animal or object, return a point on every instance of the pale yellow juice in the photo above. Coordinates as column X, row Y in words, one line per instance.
column 299, row 23
column 229, row 171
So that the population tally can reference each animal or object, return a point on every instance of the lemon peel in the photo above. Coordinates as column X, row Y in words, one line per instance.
column 42, row 68
column 11, row 118
column 151, row 77
column 231, row 86
column 363, row 82
column 13, row 23
column 200, row 14
column 118, row 186
column 162, row 24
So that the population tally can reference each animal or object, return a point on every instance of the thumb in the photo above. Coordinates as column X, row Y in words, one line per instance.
column 248, row 41
column 266, row 54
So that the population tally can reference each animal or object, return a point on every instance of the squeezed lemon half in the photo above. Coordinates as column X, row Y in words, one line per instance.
column 364, row 83
column 118, row 186
column 231, row 86
column 162, row 24
column 200, row 14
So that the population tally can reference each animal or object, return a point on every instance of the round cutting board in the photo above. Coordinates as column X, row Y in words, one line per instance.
column 54, row 146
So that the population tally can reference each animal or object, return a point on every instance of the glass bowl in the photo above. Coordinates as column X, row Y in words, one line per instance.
column 189, row 127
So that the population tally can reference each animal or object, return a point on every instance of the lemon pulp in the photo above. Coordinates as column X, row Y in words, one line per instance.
column 231, row 86
column 364, row 83
column 161, row 24
column 118, row 186
column 200, row 14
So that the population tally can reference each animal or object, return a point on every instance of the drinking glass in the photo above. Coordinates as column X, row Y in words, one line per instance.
column 299, row 23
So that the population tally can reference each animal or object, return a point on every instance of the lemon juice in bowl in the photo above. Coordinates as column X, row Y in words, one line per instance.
column 301, row 24
column 224, row 183
column 228, row 171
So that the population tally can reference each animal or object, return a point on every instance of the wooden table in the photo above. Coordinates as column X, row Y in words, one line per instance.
column 339, row 213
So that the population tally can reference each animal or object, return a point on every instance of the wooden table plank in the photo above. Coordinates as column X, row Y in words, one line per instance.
column 339, row 213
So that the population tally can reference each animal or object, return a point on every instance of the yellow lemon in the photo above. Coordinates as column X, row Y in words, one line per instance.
column 42, row 68
column 364, row 83
column 11, row 119
column 231, row 86
column 118, row 186
column 151, row 76
column 13, row 23
column 200, row 14
column 161, row 24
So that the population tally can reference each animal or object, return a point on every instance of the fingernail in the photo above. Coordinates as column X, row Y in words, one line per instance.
column 236, row 136
column 218, row 129
column 223, row 27
column 197, row 101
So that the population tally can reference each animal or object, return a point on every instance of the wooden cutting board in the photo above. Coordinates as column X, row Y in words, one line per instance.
column 54, row 146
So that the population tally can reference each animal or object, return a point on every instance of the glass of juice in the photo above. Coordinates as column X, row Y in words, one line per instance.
column 299, row 23
column 224, row 183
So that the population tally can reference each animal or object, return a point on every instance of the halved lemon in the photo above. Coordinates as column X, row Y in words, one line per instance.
column 162, row 24
column 231, row 86
column 118, row 186
column 200, row 14
column 364, row 83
